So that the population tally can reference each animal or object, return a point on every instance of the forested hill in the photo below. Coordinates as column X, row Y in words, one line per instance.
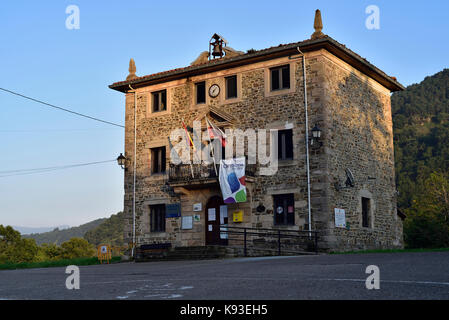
column 421, row 133
column 110, row 231
column 59, row 236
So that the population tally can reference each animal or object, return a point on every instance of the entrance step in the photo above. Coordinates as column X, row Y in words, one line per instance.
column 209, row 252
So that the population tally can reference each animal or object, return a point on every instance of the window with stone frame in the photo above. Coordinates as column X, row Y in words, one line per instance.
column 200, row 89
column 159, row 101
column 157, row 218
column 366, row 212
column 158, row 161
column 284, row 209
column 231, row 87
column 285, row 144
column 280, row 78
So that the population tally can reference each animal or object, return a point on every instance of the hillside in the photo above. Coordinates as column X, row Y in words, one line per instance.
column 59, row 236
column 110, row 231
column 421, row 133
column 30, row 230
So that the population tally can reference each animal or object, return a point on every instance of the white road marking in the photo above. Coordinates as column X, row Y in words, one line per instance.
column 391, row 281
column 153, row 295
column 174, row 296
column 122, row 297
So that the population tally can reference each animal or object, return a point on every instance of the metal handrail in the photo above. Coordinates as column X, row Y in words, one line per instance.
column 267, row 232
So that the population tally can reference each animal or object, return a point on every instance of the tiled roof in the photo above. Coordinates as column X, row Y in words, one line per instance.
column 310, row 45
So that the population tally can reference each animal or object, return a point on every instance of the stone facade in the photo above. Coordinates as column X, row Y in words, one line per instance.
column 352, row 109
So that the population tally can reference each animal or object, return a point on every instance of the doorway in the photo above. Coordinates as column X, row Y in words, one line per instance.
column 216, row 214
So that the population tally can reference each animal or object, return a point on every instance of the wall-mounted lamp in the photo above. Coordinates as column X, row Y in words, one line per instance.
column 316, row 137
column 121, row 161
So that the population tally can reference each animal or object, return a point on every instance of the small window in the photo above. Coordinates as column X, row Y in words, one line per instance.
column 200, row 92
column 158, row 160
column 159, row 101
column 231, row 87
column 366, row 210
column 157, row 218
column 280, row 78
column 285, row 144
column 284, row 209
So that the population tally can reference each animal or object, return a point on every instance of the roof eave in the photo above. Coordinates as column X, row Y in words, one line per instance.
column 306, row 46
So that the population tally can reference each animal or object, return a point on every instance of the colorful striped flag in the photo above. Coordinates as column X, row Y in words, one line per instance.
column 189, row 138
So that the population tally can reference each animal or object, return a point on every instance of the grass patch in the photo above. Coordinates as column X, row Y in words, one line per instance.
column 56, row 263
column 393, row 251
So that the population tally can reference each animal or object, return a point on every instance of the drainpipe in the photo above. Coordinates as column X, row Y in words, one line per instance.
column 134, row 174
column 309, row 208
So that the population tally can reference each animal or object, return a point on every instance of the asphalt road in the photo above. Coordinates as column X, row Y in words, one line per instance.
column 402, row 276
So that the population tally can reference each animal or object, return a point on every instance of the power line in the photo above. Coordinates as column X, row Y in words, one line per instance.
column 54, row 130
column 60, row 108
column 20, row 172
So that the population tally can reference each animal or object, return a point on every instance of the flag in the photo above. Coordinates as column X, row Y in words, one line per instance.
column 232, row 180
column 215, row 132
column 189, row 138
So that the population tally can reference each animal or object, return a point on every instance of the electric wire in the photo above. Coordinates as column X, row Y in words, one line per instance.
column 60, row 108
column 20, row 172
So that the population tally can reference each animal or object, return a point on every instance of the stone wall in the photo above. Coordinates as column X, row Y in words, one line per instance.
column 358, row 134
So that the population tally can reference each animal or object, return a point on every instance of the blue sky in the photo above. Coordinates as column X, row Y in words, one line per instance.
column 41, row 58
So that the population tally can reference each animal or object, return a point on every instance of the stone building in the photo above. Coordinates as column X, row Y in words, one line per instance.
column 352, row 192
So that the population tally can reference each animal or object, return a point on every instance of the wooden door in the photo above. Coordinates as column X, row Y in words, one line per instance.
column 213, row 221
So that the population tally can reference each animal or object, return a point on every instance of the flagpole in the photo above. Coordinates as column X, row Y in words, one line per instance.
column 188, row 137
column 212, row 146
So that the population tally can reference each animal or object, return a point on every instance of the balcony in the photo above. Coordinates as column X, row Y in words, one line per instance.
column 181, row 175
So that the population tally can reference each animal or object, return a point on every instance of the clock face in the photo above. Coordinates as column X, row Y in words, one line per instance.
column 214, row 90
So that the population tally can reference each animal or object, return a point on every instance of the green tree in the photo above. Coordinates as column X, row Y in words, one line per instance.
column 51, row 251
column 427, row 223
column 14, row 249
column 77, row 248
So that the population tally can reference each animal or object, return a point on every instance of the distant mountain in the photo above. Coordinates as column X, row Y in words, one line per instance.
column 58, row 236
column 421, row 133
column 110, row 231
column 29, row 230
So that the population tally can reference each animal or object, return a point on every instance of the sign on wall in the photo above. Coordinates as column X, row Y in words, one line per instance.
column 197, row 207
column 223, row 213
column 172, row 210
column 187, row 222
column 340, row 218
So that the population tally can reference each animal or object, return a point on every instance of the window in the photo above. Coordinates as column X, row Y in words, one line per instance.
column 157, row 218
column 158, row 160
column 231, row 87
column 285, row 144
column 200, row 92
column 280, row 78
column 159, row 101
column 366, row 208
column 284, row 209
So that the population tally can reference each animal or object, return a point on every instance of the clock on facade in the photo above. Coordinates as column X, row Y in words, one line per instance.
column 214, row 90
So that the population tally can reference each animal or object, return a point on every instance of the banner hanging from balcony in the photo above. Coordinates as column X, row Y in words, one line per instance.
column 232, row 180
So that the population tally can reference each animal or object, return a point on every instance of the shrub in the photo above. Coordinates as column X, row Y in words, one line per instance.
column 77, row 248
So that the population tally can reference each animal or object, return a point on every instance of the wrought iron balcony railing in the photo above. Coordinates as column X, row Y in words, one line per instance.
column 198, row 172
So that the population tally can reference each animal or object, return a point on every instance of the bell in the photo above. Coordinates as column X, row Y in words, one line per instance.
column 217, row 52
